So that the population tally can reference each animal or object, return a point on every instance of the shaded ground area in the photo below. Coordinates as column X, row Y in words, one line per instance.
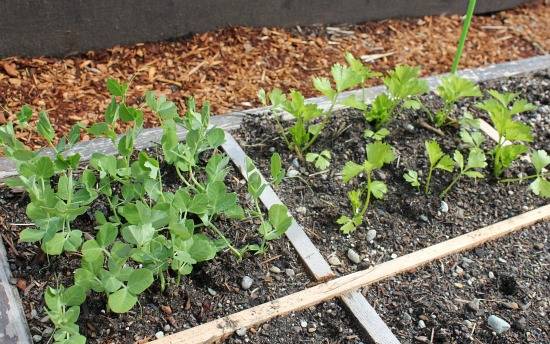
column 227, row 67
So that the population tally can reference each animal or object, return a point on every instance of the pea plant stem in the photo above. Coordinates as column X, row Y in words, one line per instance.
column 463, row 35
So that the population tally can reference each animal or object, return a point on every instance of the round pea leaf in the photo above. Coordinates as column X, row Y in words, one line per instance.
column 140, row 279
column 121, row 301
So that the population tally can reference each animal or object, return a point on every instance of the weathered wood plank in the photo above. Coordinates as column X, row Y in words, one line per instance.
column 13, row 324
column 223, row 327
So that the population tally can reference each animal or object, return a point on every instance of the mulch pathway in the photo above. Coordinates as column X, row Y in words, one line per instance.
column 228, row 66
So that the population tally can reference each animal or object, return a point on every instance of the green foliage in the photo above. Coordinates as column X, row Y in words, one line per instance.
column 452, row 89
column 63, row 309
column 403, row 88
column 278, row 220
column 276, row 169
column 378, row 154
column 437, row 160
column 378, row 135
column 476, row 161
column 148, row 233
column 541, row 185
column 320, row 160
column 469, row 133
column 501, row 108
column 412, row 178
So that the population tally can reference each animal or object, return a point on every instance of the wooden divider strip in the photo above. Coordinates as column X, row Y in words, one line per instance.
column 364, row 313
column 223, row 327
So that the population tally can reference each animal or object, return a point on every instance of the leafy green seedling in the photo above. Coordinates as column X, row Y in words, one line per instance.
column 404, row 87
column 412, row 178
column 470, row 132
column 377, row 155
column 304, row 130
column 276, row 169
column 63, row 309
column 437, row 160
column 378, row 135
column 512, row 134
column 278, row 220
column 476, row 161
column 451, row 89
column 321, row 160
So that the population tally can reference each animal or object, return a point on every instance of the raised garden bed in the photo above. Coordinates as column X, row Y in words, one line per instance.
column 407, row 221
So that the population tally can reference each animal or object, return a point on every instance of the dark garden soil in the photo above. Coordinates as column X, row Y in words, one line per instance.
column 406, row 220
column 450, row 300
column 213, row 290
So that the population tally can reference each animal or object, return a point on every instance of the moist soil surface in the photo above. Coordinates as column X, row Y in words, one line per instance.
column 407, row 219
column 212, row 290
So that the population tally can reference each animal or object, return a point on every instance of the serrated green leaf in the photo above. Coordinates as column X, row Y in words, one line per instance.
column 354, row 103
column 323, row 85
column 378, row 189
column 540, row 187
column 24, row 115
column 453, row 87
column 379, row 153
column 474, row 174
column 540, row 159
column 476, row 159
column 445, row 163
column 459, row 159
column 344, row 77
column 412, row 178
column 351, row 170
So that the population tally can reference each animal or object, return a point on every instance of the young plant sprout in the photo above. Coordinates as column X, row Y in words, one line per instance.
column 470, row 132
column 541, row 185
column 475, row 162
column 412, row 178
column 276, row 169
column 403, row 85
column 378, row 135
column 512, row 134
column 320, row 160
column 437, row 160
column 378, row 154
column 451, row 89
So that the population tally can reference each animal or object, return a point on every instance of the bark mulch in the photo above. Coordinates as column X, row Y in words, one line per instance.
column 228, row 66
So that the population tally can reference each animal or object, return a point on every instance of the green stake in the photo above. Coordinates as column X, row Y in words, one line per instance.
column 467, row 22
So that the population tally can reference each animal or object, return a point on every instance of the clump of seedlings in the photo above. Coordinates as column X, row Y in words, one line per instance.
column 378, row 154
column 452, row 89
column 148, row 233
column 403, row 89
column 512, row 134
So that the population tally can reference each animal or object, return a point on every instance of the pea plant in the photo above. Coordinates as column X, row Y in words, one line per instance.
column 149, row 232
column 403, row 88
column 512, row 134
column 378, row 154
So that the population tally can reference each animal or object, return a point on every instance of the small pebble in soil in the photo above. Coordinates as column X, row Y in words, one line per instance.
column 296, row 163
column 311, row 329
column 47, row 331
column 34, row 313
column 241, row 332
column 491, row 275
column 275, row 269
column 499, row 325
column 212, row 292
column 510, row 305
column 393, row 256
column 421, row 324
column 409, row 127
column 443, row 207
column 473, row 305
column 272, row 149
column 292, row 173
column 159, row 334
column 371, row 234
column 303, row 323
column 166, row 328
column 290, row 273
column 301, row 210
column 246, row 282
column 36, row 338
column 334, row 260
column 539, row 246
column 406, row 319
column 354, row 256
column 424, row 218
